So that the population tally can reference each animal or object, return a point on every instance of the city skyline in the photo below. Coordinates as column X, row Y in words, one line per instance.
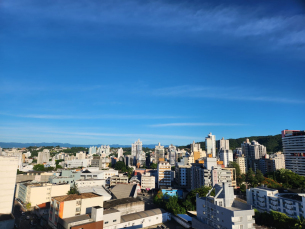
column 163, row 71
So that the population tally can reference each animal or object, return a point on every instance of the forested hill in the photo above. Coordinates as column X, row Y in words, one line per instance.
column 273, row 143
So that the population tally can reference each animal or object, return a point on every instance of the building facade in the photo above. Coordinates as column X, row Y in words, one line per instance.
column 148, row 182
column 266, row 199
column 164, row 175
column 183, row 176
column 223, row 210
column 226, row 155
column 294, row 150
column 210, row 144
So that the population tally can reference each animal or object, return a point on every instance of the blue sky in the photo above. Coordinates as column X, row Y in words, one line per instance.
column 110, row 72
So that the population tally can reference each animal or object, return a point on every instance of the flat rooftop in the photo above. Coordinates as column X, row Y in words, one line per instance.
column 75, row 197
column 112, row 203
column 110, row 211
column 141, row 215
column 76, row 218
column 267, row 189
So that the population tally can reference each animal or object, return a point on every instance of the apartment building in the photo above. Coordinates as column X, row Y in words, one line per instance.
column 118, row 179
column 267, row 199
column 210, row 173
column 294, row 150
column 8, row 171
column 65, row 177
column 77, row 163
column 148, row 182
column 183, row 176
column 68, row 206
column 159, row 153
column 241, row 161
column 223, row 210
column 81, row 155
column 38, row 176
column 164, row 175
column 38, row 193
column 94, row 173
column 43, row 156
column 226, row 155
column 210, row 144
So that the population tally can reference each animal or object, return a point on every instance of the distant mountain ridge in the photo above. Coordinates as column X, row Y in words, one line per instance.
column 273, row 143
column 24, row 145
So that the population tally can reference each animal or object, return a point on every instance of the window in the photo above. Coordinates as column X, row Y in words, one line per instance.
column 106, row 222
column 114, row 220
column 156, row 217
column 203, row 205
column 249, row 217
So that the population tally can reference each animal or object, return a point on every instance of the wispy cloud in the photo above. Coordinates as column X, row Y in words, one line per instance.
column 154, row 18
column 195, row 124
column 106, row 116
column 227, row 93
column 61, row 132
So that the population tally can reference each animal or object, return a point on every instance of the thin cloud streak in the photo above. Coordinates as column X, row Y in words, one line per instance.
column 196, row 124
column 108, row 116
column 224, row 20
column 227, row 93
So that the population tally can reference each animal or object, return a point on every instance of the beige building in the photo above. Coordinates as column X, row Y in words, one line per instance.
column 38, row 193
column 148, row 182
column 118, row 179
column 164, row 174
column 72, row 205
column 279, row 160
column 8, row 171
column 233, row 176
column 241, row 161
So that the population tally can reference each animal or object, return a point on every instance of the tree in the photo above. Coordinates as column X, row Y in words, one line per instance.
column 153, row 166
column 233, row 164
column 120, row 165
column 173, row 206
column 39, row 167
column 19, row 172
column 259, row 176
column 73, row 190
column 243, row 188
column 300, row 222
column 191, row 197
column 28, row 206
column 250, row 177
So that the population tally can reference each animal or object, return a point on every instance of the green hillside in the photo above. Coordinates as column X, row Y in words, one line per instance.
column 273, row 143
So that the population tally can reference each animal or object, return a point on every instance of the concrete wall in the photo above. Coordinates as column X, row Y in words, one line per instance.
column 90, row 183
column 60, row 190
column 129, row 208
column 88, row 203
column 112, row 219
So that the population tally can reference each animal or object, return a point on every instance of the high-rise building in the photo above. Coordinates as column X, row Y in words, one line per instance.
column 103, row 150
column 224, row 144
column 92, row 150
column 210, row 145
column 81, row 155
column 241, row 161
column 159, row 152
column 253, row 151
column 43, row 156
column 136, row 149
column 223, row 210
column 183, row 176
column 164, row 174
column 120, row 152
column 226, row 156
column 294, row 150
column 172, row 151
